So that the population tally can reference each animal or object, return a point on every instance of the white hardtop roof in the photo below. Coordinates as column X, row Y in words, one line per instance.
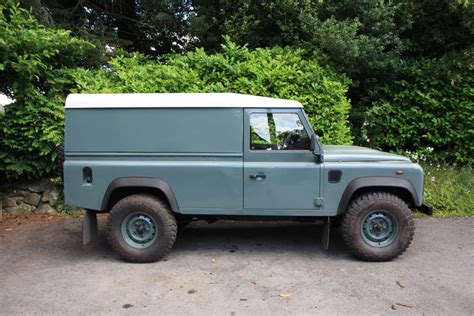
column 176, row 100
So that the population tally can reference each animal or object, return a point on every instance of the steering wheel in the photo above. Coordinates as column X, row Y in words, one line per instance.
column 291, row 139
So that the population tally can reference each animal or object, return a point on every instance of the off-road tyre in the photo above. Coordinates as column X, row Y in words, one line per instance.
column 367, row 204
column 154, row 208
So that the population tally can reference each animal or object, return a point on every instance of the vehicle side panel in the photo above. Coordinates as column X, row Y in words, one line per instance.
column 198, row 182
column 198, row 152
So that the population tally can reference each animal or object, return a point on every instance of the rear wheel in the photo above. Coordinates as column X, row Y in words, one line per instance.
column 141, row 228
column 378, row 226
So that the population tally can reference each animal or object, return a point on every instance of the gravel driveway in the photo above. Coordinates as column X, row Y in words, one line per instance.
column 236, row 268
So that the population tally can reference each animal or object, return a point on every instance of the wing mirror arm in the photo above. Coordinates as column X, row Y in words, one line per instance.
column 316, row 147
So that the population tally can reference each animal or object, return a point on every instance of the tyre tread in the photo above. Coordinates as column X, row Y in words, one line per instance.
column 169, row 223
column 357, row 206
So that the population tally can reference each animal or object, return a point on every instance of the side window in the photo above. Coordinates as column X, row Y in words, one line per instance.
column 277, row 131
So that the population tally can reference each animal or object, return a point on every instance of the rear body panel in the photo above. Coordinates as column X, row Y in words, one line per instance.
column 204, row 183
column 198, row 152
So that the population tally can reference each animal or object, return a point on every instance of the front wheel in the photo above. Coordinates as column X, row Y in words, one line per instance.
column 140, row 228
column 378, row 226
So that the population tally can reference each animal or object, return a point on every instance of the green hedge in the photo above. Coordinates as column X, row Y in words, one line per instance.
column 34, row 71
column 429, row 113
column 274, row 72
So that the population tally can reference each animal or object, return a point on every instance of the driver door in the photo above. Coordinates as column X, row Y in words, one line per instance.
column 280, row 172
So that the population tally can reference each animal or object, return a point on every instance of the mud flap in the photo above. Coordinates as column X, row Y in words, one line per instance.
column 326, row 232
column 89, row 227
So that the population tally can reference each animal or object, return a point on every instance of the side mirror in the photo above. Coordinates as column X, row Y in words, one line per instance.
column 316, row 147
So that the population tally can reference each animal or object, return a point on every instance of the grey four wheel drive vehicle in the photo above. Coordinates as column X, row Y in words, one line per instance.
column 157, row 161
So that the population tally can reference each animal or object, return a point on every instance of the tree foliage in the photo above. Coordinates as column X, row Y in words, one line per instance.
column 439, row 27
column 429, row 112
column 153, row 27
column 34, row 71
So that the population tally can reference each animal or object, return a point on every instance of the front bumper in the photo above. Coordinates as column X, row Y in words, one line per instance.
column 426, row 209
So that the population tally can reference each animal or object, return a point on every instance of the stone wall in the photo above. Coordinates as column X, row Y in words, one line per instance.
column 36, row 197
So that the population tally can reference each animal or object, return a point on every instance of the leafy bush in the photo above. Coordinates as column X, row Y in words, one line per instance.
column 449, row 190
column 429, row 112
column 275, row 72
column 34, row 71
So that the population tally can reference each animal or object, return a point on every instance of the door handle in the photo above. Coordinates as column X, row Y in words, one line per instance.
column 258, row 177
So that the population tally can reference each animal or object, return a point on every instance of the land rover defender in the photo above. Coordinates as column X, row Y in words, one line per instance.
column 155, row 162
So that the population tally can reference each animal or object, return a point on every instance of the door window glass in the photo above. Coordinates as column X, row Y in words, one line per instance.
column 277, row 131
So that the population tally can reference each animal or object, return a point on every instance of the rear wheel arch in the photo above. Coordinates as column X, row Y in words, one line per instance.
column 397, row 186
column 125, row 186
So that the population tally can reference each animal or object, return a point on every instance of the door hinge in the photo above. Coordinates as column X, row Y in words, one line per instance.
column 318, row 201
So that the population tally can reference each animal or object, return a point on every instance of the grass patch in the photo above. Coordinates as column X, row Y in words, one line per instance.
column 450, row 190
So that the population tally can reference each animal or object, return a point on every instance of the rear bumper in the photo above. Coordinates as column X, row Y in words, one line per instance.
column 426, row 209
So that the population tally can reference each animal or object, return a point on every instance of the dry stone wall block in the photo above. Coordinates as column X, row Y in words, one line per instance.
column 21, row 209
column 12, row 201
column 32, row 198
column 46, row 208
column 50, row 196
column 38, row 197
